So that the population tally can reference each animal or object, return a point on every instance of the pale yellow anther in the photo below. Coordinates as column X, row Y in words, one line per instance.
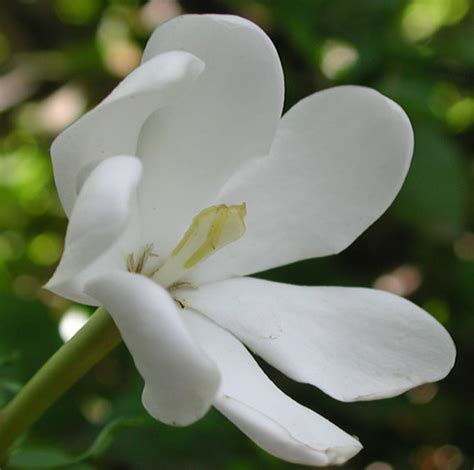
column 212, row 229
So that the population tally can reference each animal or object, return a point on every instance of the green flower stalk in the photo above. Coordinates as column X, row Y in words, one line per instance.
column 71, row 362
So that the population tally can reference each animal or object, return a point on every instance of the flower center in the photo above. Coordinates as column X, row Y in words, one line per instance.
column 212, row 229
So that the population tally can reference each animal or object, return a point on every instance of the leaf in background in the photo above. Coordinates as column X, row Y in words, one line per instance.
column 43, row 458
column 28, row 334
column 11, row 386
column 33, row 457
column 8, row 359
column 434, row 196
column 8, row 388
column 455, row 46
column 106, row 436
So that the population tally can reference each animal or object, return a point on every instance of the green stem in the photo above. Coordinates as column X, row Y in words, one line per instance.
column 73, row 360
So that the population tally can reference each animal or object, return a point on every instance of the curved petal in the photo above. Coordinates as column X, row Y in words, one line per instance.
column 352, row 343
column 231, row 115
column 112, row 127
column 99, row 231
column 180, row 380
column 339, row 158
column 258, row 408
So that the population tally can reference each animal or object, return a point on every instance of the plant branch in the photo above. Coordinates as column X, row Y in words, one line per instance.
column 72, row 361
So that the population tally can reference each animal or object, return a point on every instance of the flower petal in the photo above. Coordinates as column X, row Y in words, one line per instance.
column 180, row 380
column 339, row 158
column 99, row 229
column 258, row 408
column 112, row 127
column 190, row 149
column 352, row 343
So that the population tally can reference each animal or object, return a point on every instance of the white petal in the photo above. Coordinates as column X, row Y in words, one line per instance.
column 190, row 149
column 273, row 420
column 112, row 127
column 352, row 343
column 180, row 380
column 338, row 160
column 99, row 229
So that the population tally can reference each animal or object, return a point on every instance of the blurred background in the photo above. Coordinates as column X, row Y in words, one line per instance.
column 59, row 58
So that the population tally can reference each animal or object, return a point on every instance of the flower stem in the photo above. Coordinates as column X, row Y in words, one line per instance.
column 73, row 360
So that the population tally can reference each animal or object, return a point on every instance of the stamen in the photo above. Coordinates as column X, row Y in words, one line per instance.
column 182, row 285
column 139, row 266
column 212, row 229
column 131, row 263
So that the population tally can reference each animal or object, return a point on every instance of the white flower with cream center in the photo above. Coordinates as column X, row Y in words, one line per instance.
column 184, row 180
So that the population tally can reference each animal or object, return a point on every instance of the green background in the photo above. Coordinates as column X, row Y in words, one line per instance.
column 59, row 58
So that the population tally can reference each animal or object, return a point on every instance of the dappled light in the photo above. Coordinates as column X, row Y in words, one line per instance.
column 59, row 59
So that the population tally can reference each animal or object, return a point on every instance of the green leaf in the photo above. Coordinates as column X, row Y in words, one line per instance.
column 43, row 458
column 51, row 458
column 106, row 436
column 434, row 196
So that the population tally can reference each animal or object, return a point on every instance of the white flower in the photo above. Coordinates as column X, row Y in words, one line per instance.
column 194, row 134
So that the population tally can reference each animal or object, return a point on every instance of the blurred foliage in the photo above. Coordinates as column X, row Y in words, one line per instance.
column 60, row 57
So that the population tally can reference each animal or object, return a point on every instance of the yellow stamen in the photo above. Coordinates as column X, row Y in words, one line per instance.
column 212, row 229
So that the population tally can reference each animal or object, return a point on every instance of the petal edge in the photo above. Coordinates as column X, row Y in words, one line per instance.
column 180, row 379
column 274, row 421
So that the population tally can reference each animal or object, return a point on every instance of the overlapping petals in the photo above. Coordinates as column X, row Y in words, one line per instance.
column 180, row 380
column 338, row 160
column 112, row 128
column 352, row 343
column 100, row 230
column 252, row 402
column 201, row 116
column 229, row 117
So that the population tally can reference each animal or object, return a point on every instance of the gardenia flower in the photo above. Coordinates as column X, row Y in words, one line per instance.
column 186, row 179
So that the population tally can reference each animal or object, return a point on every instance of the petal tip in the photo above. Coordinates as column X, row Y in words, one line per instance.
column 340, row 455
